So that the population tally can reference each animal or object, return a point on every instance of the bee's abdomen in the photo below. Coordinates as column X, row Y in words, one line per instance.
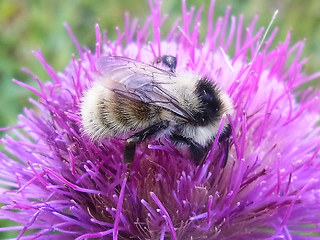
column 120, row 115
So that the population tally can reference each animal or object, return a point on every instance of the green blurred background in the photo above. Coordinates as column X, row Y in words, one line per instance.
column 27, row 25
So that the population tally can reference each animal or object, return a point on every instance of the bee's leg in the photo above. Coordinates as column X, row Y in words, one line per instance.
column 129, row 151
column 131, row 142
column 226, row 143
column 197, row 152
column 224, row 140
column 225, row 133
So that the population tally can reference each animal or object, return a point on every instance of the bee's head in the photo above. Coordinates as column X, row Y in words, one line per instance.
column 210, row 102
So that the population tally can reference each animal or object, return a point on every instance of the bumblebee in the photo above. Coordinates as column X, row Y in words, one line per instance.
column 137, row 101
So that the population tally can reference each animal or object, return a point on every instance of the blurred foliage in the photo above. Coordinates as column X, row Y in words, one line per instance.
column 27, row 25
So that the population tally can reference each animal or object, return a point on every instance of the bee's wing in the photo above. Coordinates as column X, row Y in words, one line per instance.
column 141, row 82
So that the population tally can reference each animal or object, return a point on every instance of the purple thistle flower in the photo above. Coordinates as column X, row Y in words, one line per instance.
column 56, row 184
